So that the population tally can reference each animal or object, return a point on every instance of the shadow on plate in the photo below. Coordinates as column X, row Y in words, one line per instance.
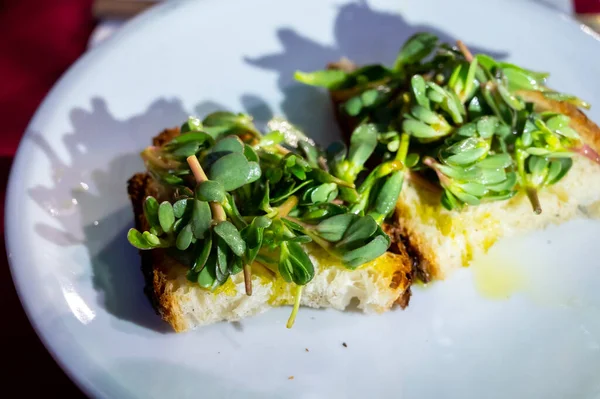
column 87, row 197
column 362, row 34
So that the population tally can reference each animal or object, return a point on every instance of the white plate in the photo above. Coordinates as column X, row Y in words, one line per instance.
column 79, row 279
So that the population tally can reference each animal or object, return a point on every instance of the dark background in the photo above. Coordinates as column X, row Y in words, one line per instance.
column 39, row 40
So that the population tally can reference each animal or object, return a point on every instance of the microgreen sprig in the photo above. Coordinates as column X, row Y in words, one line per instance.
column 232, row 196
column 468, row 118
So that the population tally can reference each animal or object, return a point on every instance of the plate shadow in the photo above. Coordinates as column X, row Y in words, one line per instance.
column 89, row 205
column 362, row 34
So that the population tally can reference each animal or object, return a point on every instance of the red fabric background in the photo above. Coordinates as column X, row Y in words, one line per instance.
column 40, row 39
column 586, row 6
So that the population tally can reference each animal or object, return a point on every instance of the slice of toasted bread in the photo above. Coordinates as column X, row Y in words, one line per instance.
column 446, row 240
column 442, row 241
column 377, row 285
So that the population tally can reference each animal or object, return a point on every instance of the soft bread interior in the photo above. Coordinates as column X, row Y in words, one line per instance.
column 446, row 240
column 376, row 287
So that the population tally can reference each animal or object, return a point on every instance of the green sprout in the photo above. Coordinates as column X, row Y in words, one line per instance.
column 456, row 120
column 234, row 196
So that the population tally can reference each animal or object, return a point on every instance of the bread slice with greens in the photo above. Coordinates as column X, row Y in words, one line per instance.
column 485, row 148
column 231, row 222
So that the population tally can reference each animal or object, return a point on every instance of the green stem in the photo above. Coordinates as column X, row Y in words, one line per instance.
column 403, row 149
column 525, row 183
column 153, row 156
column 487, row 90
column 307, row 230
column 292, row 318
column 470, row 78
column 231, row 214
column 380, row 171
column 378, row 217
column 287, row 206
column 361, row 205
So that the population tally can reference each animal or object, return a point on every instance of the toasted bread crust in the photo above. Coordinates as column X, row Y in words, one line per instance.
column 403, row 276
column 405, row 244
column 155, row 263
column 425, row 267
column 588, row 130
column 136, row 188
column 165, row 136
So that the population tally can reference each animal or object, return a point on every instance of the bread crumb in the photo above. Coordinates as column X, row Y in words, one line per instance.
column 344, row 345
column 291, row 377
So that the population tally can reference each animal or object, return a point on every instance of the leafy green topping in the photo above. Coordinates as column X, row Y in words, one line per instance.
column 465, row 121
column 233, row 197
column 329, row 78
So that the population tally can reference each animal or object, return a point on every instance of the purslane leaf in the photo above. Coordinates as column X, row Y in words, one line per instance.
column 231, row 236
column 329, row 79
